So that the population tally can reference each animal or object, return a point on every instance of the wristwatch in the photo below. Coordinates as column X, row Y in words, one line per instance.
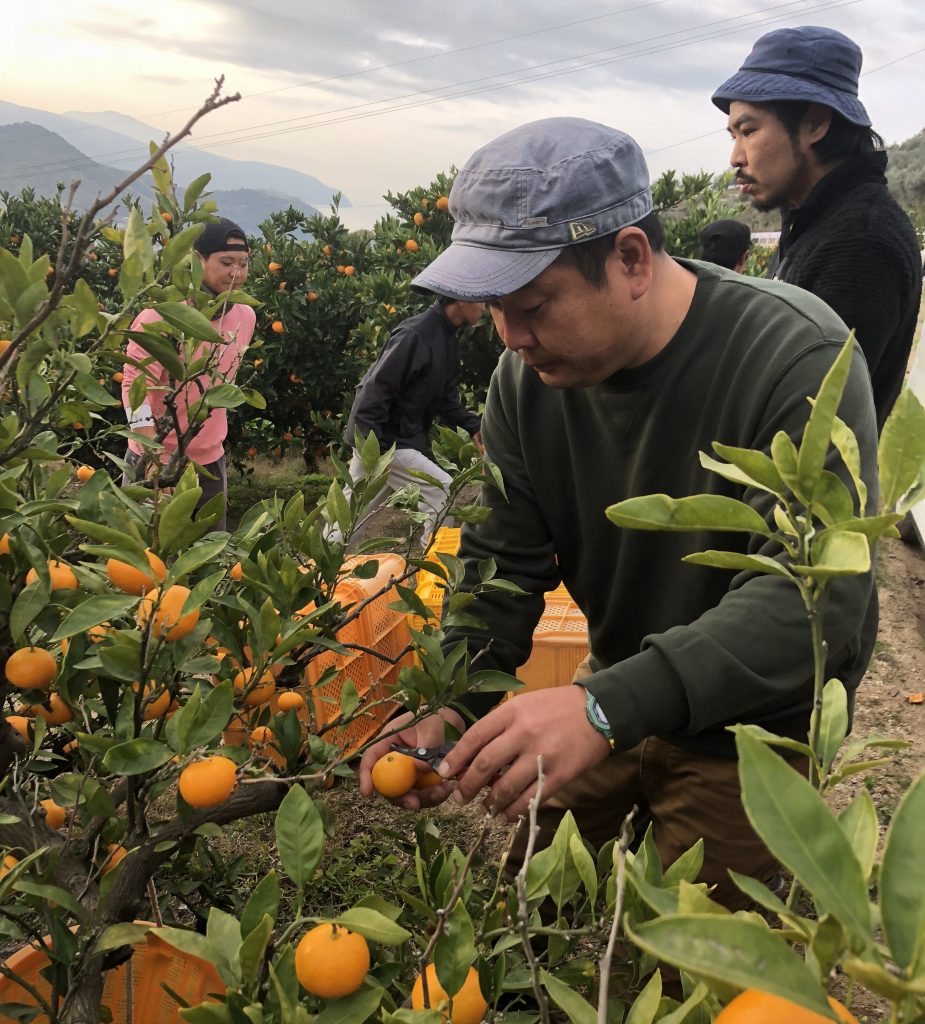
column 597, row 718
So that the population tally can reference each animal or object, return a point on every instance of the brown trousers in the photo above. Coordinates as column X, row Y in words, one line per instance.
column 689, row 796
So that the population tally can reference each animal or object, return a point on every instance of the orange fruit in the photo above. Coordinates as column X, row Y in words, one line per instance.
column 97, row 633
column 116, row 854
column 295, row 378
column 21, row 724
column 84, row 473
column 31, row 668
column 411, row 245
column 331, row 961
column 290, row 700
column 468, row 1004
column 287, row 437
column 274, row 268
column 236, row 572
column 261, row 737
column 350, row 270
column 4, row 344
column 419, row 219
column 113, row 271
column 339, row 268
column 252, row 451
column 281, row 287
column 426, row 778
column 277, row 327
column 9, row 862
column 311, row 296
column 118, row 376
column 133, row 581
column 168, row 217
column 54, row 710
column 55, row 814
column 257, row 693
column 394, row 774
column 5, row 544
column 209, row 782
column 327, row 250
column 754, row 1007
column 155, row 701
column 164, row 610
column 442, row 203
column 62, row 576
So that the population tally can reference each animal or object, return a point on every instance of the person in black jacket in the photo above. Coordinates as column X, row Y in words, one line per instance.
column 803, row 143
column 414, row 381
column 726, row 243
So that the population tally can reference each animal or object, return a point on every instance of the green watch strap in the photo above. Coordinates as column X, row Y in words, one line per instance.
column 597, row 718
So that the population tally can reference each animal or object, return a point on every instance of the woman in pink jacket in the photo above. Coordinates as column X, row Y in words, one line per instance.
column 223, row 252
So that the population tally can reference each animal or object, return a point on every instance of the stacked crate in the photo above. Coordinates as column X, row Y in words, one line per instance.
column 377, row 628
column 560, row 641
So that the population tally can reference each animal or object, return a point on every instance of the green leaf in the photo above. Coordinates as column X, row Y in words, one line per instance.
column 191, row 943
column 299, row 835
column 645, row 1005
column 196, row 556
column 162, row 350
column 687, row 867
column 697, row 512
column 373, row 925
column 86, row 312
column 847, row 446
column 93, row 611
column 834, row 721
column 50, row 894
column 223, row 933
column 179, row 246
column 740, row 563
column 859, row 822
column 118, row 935
column 137, row 243
column 683, row 1012
column 584, row 865
column 455, row 950
column 264, row 900
column 135, row 757
column 571, row 1003
column 189, row 320
column 755, row 466
column 193, row 191
column 176, row 519
column 352, row 1009
column 160, row 170
column 818, row 431
column 784, row 455
column 800, row 830
column 902, row 880
column 734, row 951
column 223, row 396
column 901, row 454
column 837, row 553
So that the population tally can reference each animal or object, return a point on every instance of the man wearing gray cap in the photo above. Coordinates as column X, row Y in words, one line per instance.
column 621, row 365
column 803, row 143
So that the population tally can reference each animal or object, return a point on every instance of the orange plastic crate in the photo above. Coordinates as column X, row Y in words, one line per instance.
column 153, row 964
column 560, row 644
column 377, row 628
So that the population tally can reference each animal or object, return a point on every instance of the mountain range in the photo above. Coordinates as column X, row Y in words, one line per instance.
column 39, row 150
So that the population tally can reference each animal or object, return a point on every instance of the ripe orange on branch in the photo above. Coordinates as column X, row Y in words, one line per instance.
column 209, row 782
column 274, row 268
column 61, row 575
column 290, row 700
column 21, row 724
column 394, row 774
column 442, row 203
column 411, row 245
column 469, row 1005
column 54, row 710
column 164, row 610
column 55, row 814
column 5, row 544
column 754, row 1007
column 258, row 692
column 133, row 581
column 278, row 327
column 31, row 668
column 84, row 473
column 331, row 961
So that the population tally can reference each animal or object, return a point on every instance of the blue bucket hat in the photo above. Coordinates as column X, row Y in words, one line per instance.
column 812, row 64
column 525, row 196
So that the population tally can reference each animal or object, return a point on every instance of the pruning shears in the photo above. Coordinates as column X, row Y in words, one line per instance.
column 432, row 756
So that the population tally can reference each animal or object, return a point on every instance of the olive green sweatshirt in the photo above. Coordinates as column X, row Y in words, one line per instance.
column 678, row 651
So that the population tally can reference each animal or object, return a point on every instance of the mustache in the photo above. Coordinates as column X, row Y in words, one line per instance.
column 744, row 179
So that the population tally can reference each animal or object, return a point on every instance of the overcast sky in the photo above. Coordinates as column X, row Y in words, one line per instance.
column 316, row 78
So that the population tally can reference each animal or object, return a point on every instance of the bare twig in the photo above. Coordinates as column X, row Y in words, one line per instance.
column 626, row 835
column 523, row 914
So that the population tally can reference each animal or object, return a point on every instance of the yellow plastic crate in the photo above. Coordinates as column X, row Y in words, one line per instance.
column 430, row 588
column 560, row 644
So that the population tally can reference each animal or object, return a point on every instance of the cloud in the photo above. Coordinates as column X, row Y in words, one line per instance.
column 403, row 39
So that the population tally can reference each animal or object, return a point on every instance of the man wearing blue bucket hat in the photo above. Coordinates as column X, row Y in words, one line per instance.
column 803, row 143
column 622, row 364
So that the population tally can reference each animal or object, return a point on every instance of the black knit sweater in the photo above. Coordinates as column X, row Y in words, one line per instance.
column 851, row 244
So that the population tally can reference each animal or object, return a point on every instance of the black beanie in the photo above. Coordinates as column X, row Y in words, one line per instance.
column 215, row 238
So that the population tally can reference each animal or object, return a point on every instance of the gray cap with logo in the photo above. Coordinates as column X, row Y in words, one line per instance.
column 525, row 196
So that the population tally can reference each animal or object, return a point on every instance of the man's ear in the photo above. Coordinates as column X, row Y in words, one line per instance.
column 816, row 123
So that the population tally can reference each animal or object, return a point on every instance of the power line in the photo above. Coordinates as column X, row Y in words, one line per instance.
column 397, row 106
